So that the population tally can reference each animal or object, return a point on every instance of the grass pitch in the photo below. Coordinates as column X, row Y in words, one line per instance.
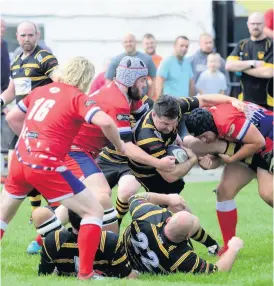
column 254, row 265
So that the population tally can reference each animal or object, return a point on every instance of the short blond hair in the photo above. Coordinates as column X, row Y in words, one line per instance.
column 77, row 72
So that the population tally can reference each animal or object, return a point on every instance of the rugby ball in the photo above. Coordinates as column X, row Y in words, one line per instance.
column 179, row 153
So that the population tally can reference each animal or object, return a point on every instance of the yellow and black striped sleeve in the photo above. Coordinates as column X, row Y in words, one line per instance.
column 235, row 54
column 188, row 261
column 187, row 104
column 141, row 209
column 47, row 61
column 268, row 58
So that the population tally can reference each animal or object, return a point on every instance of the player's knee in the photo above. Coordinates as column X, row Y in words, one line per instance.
column 267, row 195
column 124, row 193
column 225, row 191
column 196, row 223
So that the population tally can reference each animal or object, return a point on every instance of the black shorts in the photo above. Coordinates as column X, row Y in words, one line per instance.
column 113, row 171
column 157, row 184
column 264, row 162
column 13, row 142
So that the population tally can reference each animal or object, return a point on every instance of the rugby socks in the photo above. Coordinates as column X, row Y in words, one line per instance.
column 3, row 227
column 204, row 238
column 35, row 199
column 88, row 242
column 122, row 209
column 227, row 217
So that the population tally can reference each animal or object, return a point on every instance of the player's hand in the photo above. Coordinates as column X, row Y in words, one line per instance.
column 241, row 106
column 205, row 162
column 167, row 164
column 176, row 203
column 235, row 243
column 226, row 159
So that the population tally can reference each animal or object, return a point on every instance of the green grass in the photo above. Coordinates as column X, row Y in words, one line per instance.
column 254, row 265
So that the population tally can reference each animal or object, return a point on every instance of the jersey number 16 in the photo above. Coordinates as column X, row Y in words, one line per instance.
column 40, row 109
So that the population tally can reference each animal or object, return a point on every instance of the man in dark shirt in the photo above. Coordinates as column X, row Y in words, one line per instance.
column 253, row 59
column 5, row 60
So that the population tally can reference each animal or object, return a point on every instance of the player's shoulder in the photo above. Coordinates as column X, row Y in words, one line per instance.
column 243, row 43
column 41, row 54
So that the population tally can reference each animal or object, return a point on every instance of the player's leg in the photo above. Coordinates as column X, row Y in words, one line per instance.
column 265, row 185
column 15, row 190
column 234, row 177
column 127, row 187
column 65, row 187
column 199, row 234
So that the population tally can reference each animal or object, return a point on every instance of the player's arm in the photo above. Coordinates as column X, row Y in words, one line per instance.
column 233, row 62
column 108, row 126
column 265, row 71
column 180, row 169
column 253, row 142
column 191, row 87
column 16, row 117
column 8, row 95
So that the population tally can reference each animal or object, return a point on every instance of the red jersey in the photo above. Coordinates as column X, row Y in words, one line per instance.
column 54, row 115
column 117, row 105
column 233, row 124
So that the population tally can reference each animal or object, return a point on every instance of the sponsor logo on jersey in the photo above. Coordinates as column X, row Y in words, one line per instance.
column 27, row 72
column 122, row 117
column 39, row 58
column 231, row 130
column 158, row 134
column 89, row 102
column 31, row 134
column 54, row 89
column 156, row 146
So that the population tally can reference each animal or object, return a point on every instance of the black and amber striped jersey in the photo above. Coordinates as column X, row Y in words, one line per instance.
column 60, row 255
column 150, row 251
column 32, row 71
column 187, row 104
column 125, row 118
column 153, row 142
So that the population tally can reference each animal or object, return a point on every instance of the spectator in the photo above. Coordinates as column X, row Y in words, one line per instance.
column 212, row 80
column 5, row 60
column 174, row 76
column 199, row 59
column 100, row 80
column 40, row 42
column 253, row 57
column 268, row 29
column 129, row 44
column 149, row 45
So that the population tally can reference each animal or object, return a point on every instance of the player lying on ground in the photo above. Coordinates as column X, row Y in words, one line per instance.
column 54, row 115
column 60, row 253
column 253, row 132
column 157, row 241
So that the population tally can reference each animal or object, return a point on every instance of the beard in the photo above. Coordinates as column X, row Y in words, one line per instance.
column 134, row 93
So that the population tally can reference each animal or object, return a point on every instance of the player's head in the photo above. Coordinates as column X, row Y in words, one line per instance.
column 200, row 123
column 132, row 73
column 45, row 220
column 27, row 36
column 181, row 44
column 74, row 219
column 77, row 72
column 206, row 43
column 129, row 43
column 149, row 44
column 214, row 61
column 166, row 113
column 255, row 24
column 179, row 226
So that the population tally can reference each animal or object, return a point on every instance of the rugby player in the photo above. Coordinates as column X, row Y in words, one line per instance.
column 60, row 253
column 252, row 132
column 53, row 116
column 30, row 69
column 157, row 241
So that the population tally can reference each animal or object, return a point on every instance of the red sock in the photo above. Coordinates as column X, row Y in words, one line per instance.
column 39, row 239
column 88, row 242
column 227, row 217
column 3, row 227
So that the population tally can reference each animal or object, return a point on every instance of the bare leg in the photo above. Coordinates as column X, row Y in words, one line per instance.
column 265, row 185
